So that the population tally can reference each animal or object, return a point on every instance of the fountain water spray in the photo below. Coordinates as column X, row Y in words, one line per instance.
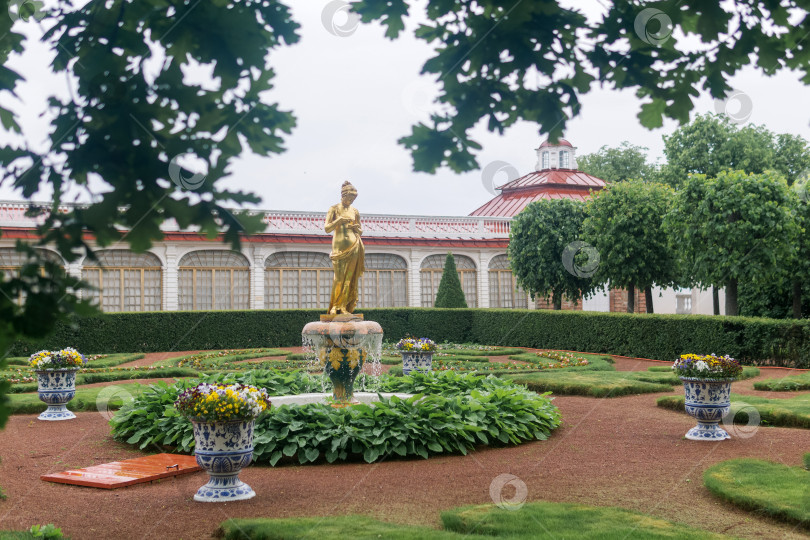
column 341, row 345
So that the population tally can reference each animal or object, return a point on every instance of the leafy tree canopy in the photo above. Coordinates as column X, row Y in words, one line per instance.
column 498, row 63
column 734, row 228
column 130, row 118
column 713, row 143
column 616, row 164
column 625, row 225
column 545, row 250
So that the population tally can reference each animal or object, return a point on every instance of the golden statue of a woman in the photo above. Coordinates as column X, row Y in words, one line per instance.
column 348, row 253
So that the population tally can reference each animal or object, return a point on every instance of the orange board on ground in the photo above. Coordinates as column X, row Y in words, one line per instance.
column 128, row 472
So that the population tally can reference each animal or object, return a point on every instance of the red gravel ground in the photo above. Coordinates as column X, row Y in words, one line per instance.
column 609, row 452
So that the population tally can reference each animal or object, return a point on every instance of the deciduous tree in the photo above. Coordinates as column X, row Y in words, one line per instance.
column 498, row 63
column 616, row 164
column 545, row 254
column 625, row 225
column 131, row 121
column 735, row 228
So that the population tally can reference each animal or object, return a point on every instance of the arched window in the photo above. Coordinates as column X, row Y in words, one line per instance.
column 125, row 281
column 297, row 279
column 384, row 282
column 213, row 279
column 545, row 164
column 564, row 159
column 431, row 275
column 12, row 260
column 503, row 289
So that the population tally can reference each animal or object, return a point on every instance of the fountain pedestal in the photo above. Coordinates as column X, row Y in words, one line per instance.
column 341, row 344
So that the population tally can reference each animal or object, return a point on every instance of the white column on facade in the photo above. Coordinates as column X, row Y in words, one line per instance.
column 170, row 280
column 531, row 304
column 483, row 280
column 414, row 281
column 256, row 257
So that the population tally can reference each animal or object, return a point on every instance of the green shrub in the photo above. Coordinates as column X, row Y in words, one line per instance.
column 450, row 413
column 661, row 337
column 450, row 293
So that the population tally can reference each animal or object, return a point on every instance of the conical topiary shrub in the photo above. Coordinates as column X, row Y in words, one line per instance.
column 450, row 294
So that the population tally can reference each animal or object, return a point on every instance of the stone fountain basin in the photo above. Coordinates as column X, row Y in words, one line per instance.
column 306, row 399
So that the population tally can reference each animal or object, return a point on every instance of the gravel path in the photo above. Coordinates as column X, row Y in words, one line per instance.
column 622, row 452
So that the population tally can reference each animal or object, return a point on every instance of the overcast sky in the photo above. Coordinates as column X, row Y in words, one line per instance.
column 355, row 95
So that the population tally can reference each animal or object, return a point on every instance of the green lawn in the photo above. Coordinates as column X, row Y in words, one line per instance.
column 86, row 399
column 113, row 374
column 787, row 412
column 214, row 359
column 791, row 383
column 596, row 362
column 583, row 382
column 768, row 488
column 748, row 372
column 596, row 383
column 537, row 520
column 107, row 360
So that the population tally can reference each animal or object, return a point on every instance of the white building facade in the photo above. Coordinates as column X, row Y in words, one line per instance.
column 287, row 266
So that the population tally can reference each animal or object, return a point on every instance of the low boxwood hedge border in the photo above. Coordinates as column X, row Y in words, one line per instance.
column 664, row 337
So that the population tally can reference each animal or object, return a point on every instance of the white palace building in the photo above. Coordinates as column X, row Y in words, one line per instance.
column 287, row 266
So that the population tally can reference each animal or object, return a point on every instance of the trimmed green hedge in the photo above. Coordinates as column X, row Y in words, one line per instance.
column 663, row 337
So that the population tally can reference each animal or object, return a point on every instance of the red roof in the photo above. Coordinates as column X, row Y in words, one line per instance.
column 545, row 184
column 561, row 142
column 554, row 177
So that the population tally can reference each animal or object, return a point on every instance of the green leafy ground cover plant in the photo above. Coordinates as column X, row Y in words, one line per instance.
column 535, row 520
column 763, row 487
column 450, row 413
column 806, row 461
column 787, row 412
column 86, row 399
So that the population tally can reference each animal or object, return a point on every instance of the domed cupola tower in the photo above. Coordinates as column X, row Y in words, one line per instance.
column 555, row 176
column 561, row 155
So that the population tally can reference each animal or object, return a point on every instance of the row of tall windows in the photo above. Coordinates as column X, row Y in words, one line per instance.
column 220, row 280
